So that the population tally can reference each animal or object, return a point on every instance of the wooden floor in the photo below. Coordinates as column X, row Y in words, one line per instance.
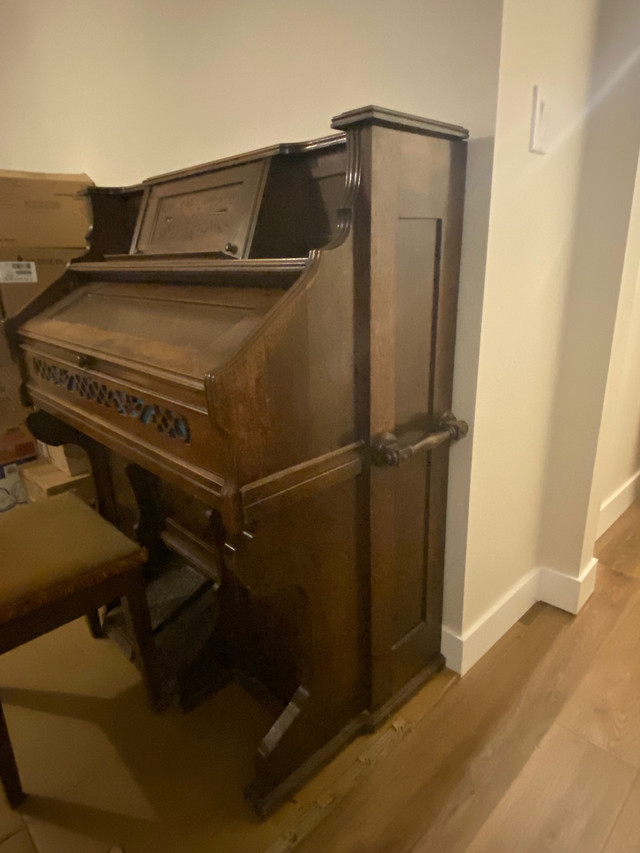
column 536, row 749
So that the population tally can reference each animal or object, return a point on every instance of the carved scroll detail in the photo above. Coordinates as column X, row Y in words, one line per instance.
column 166, row 422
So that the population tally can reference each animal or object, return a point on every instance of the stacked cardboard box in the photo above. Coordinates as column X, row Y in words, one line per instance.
column 59, row 469
column 43, row 225
column 12, row 412
column 42, row 479
column 68, row 458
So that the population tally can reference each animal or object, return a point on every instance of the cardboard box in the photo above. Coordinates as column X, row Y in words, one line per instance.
column 43, row 225
column 49, row 266
column 17, row 445
column 43, row 208
column 12, row 412
column 68, row 458
column 42, row 480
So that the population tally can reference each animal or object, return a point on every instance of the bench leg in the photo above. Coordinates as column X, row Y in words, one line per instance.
column 95, row 625
column 136, row 611
column 8, row 767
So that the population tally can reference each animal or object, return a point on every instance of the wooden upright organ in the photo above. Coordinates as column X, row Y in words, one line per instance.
column 265, row 344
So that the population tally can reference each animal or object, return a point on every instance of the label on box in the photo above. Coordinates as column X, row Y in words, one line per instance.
column 12, row 272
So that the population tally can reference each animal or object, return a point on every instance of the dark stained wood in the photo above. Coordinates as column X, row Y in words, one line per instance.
column 115, row 213
column 214, row 211
column 243, row 345
column 9, row 775
column 410, row 239
column 400, row 121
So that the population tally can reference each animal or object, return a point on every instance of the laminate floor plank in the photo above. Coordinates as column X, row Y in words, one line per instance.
column 605, row 709
column 619, row 547
column 437, row 789
column 625, row 837
column 567, row 798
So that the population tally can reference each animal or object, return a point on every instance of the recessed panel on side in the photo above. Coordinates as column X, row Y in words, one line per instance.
column 416, row 252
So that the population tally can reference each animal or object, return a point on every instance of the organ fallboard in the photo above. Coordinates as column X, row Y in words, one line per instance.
column 264, row 344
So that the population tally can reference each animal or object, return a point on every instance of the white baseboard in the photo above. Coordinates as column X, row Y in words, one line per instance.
column 613, row 507
column 566, row 592
column 463, row 650
column 541, row 584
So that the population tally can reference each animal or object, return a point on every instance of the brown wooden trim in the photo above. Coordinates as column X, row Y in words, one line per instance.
column 380, row 715
column 379, row 176
column 177, row 379
column 144, row 204
column 286, row 487
column 144, row 268
column 198, row 552
column 398, row 121
column 258, row 154
column 123, row 190
column 32, row 624
column 67, row 587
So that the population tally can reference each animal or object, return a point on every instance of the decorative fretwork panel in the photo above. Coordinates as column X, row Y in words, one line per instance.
column 167, row 423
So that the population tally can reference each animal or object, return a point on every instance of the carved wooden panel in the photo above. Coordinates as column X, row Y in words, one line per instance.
column 166, row 421
column 213, row 212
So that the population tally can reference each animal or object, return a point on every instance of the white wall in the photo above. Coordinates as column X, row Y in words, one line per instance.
column 124, row 89
column 533, row 206
column 617, row 478
column 557, row 240
column 530, row 243
column 604, row 215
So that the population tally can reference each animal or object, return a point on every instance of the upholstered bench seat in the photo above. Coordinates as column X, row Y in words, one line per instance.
column 60, row 560
column 53, row 546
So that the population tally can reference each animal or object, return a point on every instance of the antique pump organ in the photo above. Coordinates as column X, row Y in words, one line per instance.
column 264, row 344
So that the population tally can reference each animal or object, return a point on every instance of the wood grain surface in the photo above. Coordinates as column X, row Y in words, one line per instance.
column 626, row 833
column 537, row 748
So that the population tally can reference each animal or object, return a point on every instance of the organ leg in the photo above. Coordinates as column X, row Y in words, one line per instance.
column 312, row 547
column 319, row 720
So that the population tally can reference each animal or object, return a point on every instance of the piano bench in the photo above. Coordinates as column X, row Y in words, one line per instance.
column 60, row 560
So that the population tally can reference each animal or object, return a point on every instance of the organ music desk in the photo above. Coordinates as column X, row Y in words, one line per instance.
column 264, row 344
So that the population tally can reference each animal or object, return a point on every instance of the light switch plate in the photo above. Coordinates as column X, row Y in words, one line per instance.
column 537, row 141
